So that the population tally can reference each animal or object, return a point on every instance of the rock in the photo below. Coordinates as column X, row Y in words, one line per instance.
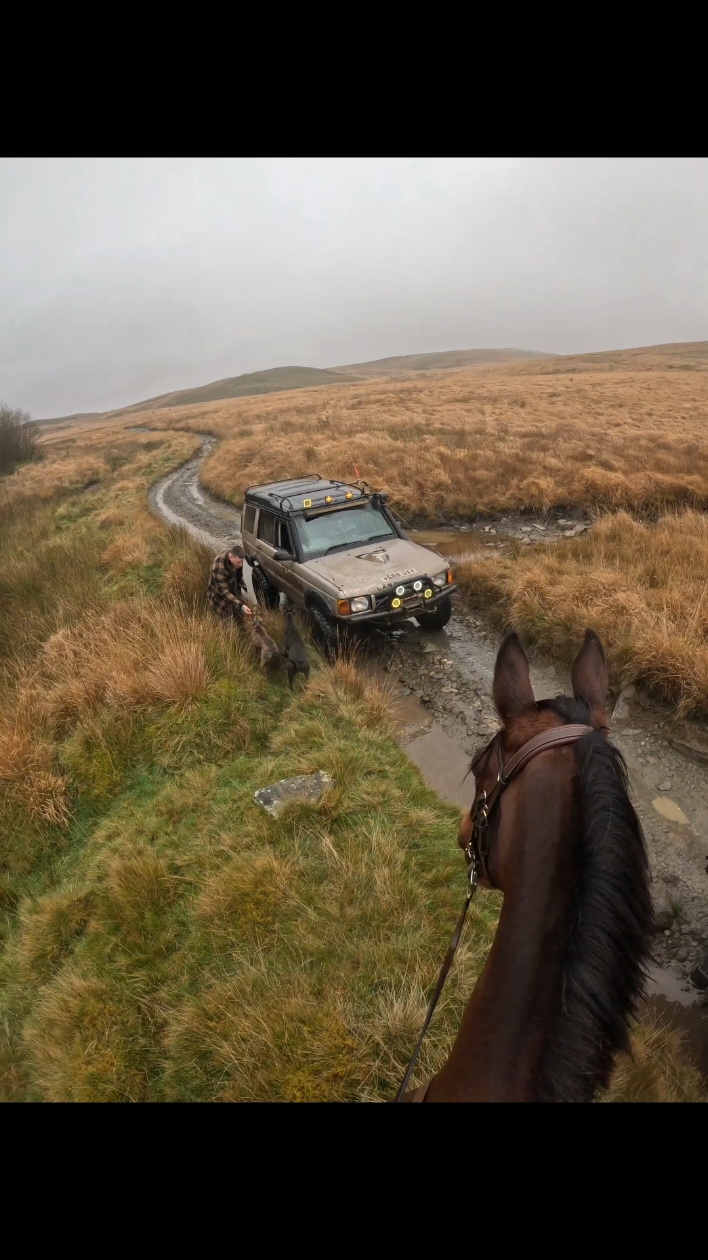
column 425, row 699
column 665, row 786
column 692, row 754
column 682, row 955
column 406, row 691
column 525, row 529
column 430, row 650
column 621, row 709
column 663, row 909
column 303, row 787
column 526, row 541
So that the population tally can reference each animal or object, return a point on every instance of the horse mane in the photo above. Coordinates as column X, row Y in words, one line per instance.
column 603, row 966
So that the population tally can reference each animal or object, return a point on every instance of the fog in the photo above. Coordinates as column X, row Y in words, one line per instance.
column 124, row 278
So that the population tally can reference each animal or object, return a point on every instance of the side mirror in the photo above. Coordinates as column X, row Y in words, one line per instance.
column 281, row 556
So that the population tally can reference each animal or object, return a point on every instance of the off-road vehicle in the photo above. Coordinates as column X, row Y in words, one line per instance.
column 336, row 549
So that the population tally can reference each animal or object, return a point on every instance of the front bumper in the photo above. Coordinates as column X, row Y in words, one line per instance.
column 410, row 608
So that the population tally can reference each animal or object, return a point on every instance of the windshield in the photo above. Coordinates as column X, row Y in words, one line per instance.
column 348, row 528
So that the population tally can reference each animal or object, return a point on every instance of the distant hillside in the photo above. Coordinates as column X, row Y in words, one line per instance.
column 437, row 362
column 678, row 356
column 79, row 415
column 273, row 380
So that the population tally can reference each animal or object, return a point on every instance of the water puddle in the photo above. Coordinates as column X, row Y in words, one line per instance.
column 669, row 809
column 443, row 765
column 666, row 984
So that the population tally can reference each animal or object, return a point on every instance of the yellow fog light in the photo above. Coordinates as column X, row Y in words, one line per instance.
column 428, row 594
column 328, row 498
column 349, row 494
column 307, row 503
column 395, row 603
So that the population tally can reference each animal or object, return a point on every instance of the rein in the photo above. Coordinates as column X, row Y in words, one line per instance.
column 477, row 852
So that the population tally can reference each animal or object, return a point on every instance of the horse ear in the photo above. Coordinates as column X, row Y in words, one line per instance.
column 590, row 676
column 512, row 684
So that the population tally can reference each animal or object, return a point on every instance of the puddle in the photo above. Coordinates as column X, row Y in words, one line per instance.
column 443, row 765
column 666, row 984
column 669, row 809
column 440, row 539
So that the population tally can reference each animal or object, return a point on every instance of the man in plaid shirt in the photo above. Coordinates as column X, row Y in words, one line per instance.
column 226, row 585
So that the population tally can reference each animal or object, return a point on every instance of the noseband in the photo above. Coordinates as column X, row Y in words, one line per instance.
column 477, row 851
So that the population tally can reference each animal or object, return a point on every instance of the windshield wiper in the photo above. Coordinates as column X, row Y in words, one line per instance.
column 356, row 542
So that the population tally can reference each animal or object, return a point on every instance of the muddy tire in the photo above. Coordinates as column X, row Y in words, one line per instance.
column 325, row 632
column 267, row 595
column 438, row 619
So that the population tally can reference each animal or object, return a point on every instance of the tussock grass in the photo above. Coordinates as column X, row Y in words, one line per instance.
column 642, row 586
column 659, row 1069
column 629, row 433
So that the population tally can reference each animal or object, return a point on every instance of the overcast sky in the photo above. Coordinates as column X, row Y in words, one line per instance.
column 125, row 278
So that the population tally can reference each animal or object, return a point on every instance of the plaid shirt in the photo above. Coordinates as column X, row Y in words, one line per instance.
column 225, row 583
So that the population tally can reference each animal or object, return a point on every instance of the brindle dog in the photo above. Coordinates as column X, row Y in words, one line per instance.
column 268, row 648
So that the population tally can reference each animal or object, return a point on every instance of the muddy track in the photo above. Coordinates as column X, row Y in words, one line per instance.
column 442, row 686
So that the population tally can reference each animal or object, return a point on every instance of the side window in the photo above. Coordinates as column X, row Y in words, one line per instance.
column 283, row 537
column 249, row 515
column 266, row 527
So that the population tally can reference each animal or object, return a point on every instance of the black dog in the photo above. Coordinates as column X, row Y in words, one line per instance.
column 293, row 650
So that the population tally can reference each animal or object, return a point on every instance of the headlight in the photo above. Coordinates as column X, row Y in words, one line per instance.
column 440, row 579
column 360, row 604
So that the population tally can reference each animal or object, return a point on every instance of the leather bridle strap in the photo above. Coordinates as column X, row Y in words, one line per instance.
column 556, row 737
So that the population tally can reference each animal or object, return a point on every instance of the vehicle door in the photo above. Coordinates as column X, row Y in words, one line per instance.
column 270, row 532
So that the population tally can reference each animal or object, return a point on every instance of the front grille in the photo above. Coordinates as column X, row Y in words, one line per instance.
column 410, row 599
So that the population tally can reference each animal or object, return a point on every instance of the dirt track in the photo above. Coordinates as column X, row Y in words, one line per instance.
column 442, row 693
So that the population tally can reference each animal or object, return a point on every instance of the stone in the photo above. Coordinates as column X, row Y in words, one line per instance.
column 525, row 529
column 303, row 788
column 665, row 786
column 692, row 754
column 682, row 955
column 621, row 709
column 663, row 909
column 429, row 650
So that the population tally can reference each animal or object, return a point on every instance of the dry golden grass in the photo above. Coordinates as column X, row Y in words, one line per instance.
column 628, row 432
column 658, row 1070
column 643, row 587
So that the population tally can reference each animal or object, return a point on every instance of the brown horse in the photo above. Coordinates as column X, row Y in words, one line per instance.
column 552, row 1006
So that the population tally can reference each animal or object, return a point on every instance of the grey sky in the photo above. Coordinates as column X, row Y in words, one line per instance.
column 125, row 278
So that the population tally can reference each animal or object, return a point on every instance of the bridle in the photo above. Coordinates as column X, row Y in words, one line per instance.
column 477, row 851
